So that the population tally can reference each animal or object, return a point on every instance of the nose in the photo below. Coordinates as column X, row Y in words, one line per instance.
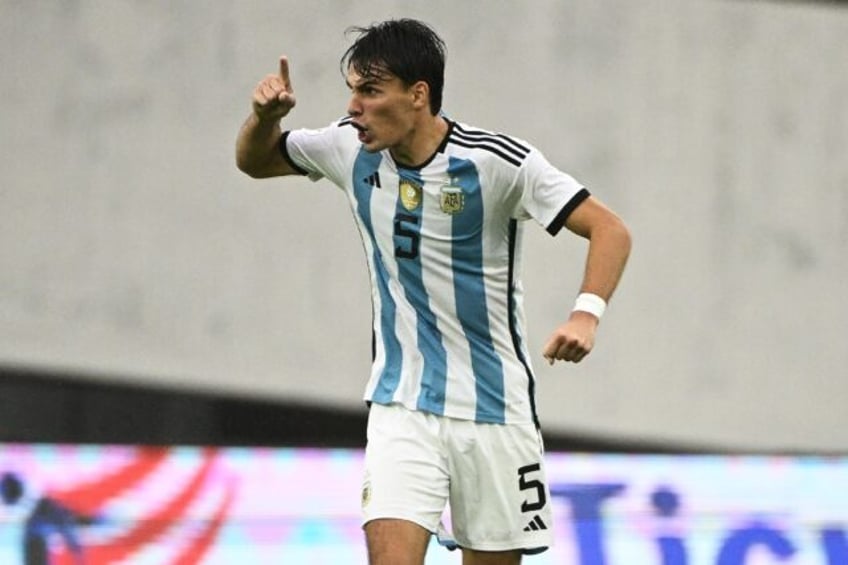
column 354, row 108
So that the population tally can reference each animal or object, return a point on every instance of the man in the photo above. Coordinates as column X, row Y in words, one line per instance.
column 439, row 205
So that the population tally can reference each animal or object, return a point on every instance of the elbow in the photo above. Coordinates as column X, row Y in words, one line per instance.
column 249, row 168
column 244, row 165
column 622, row 234
column 614, row 232
column 251, row 173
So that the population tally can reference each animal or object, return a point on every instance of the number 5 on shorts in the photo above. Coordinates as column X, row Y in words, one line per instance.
column 531, row 505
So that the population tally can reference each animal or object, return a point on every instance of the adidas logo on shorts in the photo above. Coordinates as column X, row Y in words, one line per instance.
column 535, row 524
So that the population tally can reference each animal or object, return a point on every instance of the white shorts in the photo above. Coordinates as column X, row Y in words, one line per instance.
column 492, row 475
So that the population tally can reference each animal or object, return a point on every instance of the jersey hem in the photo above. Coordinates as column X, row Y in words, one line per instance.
column 453, row 416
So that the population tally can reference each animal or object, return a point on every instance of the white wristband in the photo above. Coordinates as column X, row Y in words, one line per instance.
column 592, row 303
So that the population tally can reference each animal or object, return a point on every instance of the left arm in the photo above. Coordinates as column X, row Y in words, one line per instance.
column 609, row 247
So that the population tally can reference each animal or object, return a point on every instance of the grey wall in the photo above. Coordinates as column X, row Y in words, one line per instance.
column 130, row 245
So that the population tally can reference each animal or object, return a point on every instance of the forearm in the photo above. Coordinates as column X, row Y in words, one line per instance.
column 609, row 248
column 256, row 146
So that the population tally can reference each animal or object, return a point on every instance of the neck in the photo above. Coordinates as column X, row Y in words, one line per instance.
column 423, row 140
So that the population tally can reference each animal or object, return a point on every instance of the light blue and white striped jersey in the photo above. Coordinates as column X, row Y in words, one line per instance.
column 443, row 244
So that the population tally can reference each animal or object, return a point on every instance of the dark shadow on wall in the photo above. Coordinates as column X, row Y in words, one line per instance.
column 48, row 407
column 38, row 406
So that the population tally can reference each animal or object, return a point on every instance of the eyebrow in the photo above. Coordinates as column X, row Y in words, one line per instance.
column 366, row 81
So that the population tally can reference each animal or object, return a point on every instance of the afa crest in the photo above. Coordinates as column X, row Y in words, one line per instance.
column 410, row 194
column 452, row 199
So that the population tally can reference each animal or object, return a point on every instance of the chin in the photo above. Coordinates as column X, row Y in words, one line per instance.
column 373, row 147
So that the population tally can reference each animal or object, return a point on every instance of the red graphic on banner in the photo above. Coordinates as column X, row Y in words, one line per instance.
column 89, row 499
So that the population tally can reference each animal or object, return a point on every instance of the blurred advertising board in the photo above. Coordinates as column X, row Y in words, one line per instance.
column 72, row 504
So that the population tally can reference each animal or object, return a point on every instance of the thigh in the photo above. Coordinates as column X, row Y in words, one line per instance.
column 406, row 475
column 472, row 557
column 396, row 542
column 499, row 496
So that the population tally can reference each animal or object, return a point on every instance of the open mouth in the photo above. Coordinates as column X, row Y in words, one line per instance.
column 363, row 132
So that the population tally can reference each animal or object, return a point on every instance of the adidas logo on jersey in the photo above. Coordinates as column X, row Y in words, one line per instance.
column 535, row 524
column 373, row 180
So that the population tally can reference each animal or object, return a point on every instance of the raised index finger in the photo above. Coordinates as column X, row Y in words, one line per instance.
column 284, row 70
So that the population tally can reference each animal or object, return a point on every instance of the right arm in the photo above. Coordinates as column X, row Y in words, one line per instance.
column 257, row 151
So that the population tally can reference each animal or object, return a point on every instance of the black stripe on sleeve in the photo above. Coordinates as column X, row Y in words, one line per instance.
column 285, row 153
column 557, row 223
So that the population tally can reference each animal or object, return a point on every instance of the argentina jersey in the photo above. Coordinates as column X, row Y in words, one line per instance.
column 443, row 246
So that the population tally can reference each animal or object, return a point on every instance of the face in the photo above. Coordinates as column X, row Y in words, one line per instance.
column 383, row 110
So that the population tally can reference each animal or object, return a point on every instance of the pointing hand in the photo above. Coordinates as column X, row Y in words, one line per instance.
column 273, row 97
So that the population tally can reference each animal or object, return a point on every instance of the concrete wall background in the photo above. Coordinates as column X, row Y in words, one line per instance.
column 130, row 245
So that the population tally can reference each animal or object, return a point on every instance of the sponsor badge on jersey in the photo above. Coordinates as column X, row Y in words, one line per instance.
column 452, row 200
column 410, row 194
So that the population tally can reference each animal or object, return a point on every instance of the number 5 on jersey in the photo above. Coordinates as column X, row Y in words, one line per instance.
column 406, row 236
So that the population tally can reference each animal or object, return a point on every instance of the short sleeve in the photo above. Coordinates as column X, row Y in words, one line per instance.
column 319, row 153
column 548, row 195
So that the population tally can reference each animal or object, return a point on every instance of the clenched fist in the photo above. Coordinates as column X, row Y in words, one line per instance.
column 573, row 340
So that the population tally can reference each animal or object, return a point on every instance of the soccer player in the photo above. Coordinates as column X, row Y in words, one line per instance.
column 440, row 206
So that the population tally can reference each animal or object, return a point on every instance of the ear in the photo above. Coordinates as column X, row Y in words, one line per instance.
column 420, row 95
